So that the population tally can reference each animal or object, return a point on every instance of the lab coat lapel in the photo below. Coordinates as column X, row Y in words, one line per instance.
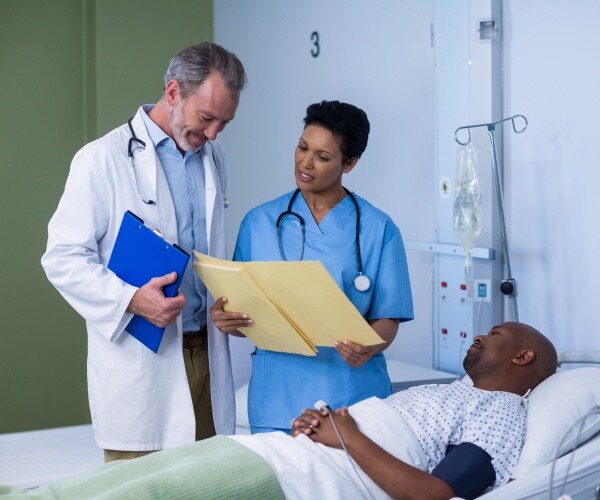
column 221, row 380
column 214, row 210
column 153, row 178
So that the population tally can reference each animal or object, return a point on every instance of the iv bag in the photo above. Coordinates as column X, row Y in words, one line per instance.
column 467, row 199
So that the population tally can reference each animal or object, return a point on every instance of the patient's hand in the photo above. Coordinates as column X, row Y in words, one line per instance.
column 317, row 425
column 228, row 322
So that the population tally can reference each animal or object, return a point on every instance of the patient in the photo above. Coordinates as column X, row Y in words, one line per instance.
column 471, row 436
column 435, row 441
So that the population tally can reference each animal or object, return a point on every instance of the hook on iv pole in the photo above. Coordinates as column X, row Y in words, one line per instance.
column 491, row 127
column 508, row 287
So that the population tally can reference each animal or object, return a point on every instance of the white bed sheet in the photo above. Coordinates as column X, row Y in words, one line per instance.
column 303, row 466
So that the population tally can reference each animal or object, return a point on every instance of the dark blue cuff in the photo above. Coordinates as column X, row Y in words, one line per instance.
column 467, row 469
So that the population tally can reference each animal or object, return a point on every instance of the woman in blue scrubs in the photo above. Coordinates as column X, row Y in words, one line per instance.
column 319, row 221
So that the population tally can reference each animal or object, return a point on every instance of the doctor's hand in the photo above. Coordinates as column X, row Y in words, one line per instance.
column 149, row 301
column 354, row 354
column 228, row 322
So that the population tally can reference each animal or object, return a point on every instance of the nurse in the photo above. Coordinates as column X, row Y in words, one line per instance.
column 358, row 244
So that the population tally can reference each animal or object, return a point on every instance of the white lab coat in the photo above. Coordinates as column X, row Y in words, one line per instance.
column 139, row 400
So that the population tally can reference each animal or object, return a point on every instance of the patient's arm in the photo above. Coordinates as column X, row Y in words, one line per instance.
column 398, row 479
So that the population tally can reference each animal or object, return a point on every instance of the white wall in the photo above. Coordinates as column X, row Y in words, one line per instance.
column 376, row 55
column 552, row 76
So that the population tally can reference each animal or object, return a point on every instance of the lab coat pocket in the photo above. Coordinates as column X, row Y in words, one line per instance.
column 123, row 354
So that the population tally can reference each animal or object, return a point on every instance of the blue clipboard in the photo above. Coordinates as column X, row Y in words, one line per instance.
column 139, row 255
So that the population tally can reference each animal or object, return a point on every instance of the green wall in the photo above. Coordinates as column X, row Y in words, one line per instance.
column 70, row 70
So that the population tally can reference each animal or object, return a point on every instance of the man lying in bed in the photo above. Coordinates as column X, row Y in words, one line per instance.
column 436, row 441
column 471, row 436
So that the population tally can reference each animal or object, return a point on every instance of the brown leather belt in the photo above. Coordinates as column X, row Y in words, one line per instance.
column 195, row 340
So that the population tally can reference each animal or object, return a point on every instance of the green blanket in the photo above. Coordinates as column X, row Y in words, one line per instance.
column 214, row 468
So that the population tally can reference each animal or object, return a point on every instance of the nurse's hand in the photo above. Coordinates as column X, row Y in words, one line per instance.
column 149, row 301
column 228, row 322
column 354, row 354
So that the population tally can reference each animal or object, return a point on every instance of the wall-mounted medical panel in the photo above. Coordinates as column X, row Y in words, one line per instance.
column 468, row 91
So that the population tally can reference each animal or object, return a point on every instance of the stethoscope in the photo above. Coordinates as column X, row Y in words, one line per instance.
column 136, row 139
column 362, row 282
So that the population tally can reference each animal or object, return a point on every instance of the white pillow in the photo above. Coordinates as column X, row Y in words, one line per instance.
column 555, row 414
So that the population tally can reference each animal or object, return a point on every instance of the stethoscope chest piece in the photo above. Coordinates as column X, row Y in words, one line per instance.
column 362, row 283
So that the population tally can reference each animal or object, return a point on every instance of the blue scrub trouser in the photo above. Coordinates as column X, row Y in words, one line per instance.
column 259, row 430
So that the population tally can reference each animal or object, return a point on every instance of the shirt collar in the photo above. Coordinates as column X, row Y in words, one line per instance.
column 157, row 135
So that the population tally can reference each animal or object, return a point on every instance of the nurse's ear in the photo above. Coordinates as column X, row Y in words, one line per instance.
column 349, row 164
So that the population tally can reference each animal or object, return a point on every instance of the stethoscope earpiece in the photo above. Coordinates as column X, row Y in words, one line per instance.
column 362, row 282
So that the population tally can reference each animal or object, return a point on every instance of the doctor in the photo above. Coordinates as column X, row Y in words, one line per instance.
column 358, row 244
column 165, row 166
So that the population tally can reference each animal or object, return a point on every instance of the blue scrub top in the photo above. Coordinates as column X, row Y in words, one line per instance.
column 282, row 384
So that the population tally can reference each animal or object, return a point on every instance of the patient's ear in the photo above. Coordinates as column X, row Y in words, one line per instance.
column 524, row 357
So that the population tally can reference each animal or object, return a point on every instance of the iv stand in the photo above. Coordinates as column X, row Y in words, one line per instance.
column 508, row 285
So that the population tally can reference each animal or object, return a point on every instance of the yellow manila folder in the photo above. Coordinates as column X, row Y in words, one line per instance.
column 295, row 306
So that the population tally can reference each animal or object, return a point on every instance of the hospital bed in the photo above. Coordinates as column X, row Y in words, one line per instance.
column 564, row 407
column 557, row 406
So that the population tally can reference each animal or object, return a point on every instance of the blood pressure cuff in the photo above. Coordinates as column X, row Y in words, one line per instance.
column 467, row 469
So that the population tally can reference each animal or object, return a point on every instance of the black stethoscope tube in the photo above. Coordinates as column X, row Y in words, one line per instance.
column 361, row 282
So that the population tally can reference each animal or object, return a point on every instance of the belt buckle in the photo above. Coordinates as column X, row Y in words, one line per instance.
column 194, row 340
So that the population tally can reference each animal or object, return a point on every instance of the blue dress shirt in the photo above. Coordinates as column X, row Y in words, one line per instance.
column 185, row 176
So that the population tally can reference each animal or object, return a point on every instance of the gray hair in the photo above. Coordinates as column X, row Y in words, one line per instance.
column 192, row 65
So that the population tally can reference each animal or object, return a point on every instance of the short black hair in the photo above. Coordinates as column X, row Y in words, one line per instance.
column 343, row 120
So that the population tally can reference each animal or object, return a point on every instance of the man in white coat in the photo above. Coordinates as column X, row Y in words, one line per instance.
column 164, row 166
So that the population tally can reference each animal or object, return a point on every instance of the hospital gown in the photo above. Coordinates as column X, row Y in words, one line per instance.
column 440, row 415
column 282, row 384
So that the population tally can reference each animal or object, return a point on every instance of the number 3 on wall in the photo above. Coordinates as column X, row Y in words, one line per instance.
column 316, row 48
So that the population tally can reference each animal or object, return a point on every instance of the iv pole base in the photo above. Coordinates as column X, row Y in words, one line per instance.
column 508, row 287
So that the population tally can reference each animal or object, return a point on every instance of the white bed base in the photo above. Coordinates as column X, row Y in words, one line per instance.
column 582, row 482
column 32, row 458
